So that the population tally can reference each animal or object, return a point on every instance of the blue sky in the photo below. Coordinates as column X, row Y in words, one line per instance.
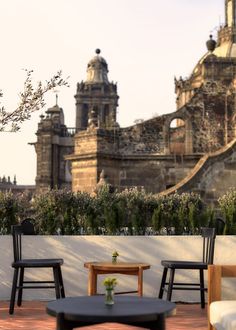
column 145, row 42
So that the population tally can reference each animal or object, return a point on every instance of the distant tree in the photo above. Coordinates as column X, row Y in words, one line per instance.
column 31, row 100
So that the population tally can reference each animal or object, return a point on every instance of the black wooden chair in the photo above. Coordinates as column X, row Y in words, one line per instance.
column 220, row 226
column 208, row 235
column 19, row 264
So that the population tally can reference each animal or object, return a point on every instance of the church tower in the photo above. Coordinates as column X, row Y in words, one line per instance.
column 96, row 97
column 54, row 141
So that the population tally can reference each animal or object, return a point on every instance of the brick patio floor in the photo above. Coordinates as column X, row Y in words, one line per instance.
column 32, row 316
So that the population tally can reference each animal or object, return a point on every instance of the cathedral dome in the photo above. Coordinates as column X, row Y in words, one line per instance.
column 97, row 70
column 226, row 49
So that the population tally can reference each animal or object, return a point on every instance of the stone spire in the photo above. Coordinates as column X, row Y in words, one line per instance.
column 226, row 43
column 230, row 13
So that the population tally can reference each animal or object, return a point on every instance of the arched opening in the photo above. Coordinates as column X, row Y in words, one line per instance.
column 177, row 136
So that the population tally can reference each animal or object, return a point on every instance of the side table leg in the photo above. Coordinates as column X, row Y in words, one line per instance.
column 140, row 281
column 92, row 281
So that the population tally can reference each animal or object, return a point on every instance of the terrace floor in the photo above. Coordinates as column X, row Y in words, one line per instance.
column 32, row 316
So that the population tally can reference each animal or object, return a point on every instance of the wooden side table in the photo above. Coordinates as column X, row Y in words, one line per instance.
column 126, row 268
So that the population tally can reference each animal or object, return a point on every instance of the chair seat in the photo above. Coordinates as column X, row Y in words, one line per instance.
column 184, row 264
column 37, row 263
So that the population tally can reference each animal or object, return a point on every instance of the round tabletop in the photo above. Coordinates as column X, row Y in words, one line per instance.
column 117, row 265
column 125, row 309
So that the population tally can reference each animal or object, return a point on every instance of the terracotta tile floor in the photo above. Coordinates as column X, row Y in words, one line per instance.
column 32, row 316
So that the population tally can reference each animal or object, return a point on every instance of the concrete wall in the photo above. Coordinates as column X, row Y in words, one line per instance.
column 78, row 249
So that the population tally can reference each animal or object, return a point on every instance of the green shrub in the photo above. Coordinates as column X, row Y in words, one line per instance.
column 9, row 208
column 130, row 212
column 227, row 205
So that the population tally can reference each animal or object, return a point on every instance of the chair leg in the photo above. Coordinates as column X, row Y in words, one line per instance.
column 57, row 282
column 163, row 282
column 171, row 282
column 61, row 283
column 202, row 292
column 20, row 291
column 13, row 290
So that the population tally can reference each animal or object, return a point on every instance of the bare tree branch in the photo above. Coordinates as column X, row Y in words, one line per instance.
column 31, row 100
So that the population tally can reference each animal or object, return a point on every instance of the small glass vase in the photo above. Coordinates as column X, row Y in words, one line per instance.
column 114, row 259
column 109, row 296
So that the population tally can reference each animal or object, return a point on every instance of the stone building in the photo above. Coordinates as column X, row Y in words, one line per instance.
column 6, row 185
column 163, row 154
column 54, row 142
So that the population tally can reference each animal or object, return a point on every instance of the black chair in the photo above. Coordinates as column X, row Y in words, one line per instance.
column 220, row 226
column 208, row 235
column 19, row 265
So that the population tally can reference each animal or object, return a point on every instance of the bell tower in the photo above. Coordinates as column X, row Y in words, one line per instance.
column 96, row 97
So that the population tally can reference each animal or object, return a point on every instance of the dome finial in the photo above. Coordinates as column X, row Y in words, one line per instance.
column 98, row 51
column 211, row 44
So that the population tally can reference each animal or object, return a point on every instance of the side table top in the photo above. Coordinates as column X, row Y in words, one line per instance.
column 125, row 308
column 118, row 265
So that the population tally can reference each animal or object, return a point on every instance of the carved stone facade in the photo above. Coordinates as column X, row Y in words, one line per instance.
column 155, row 154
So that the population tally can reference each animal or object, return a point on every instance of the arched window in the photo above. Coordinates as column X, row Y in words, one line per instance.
column 177, row 136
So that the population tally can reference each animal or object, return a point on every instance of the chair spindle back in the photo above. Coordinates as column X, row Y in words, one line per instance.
column 25, row 228
column 208, row 235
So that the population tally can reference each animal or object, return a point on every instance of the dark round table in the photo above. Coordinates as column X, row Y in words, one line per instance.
column 76, row 312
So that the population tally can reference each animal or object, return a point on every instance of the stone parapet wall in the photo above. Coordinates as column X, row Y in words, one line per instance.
column 142, row 138
column 212, row 176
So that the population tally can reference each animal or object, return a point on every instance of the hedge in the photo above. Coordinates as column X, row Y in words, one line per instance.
column 131, row 212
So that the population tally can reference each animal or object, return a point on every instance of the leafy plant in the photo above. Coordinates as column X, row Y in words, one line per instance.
column 227, row 204
column 130, row 212
column 9, row 208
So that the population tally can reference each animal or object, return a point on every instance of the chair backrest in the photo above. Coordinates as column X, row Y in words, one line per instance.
column 208, row 235
column 17, row 231
column 219, row 225
column 28, row 227
column 25, row 228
